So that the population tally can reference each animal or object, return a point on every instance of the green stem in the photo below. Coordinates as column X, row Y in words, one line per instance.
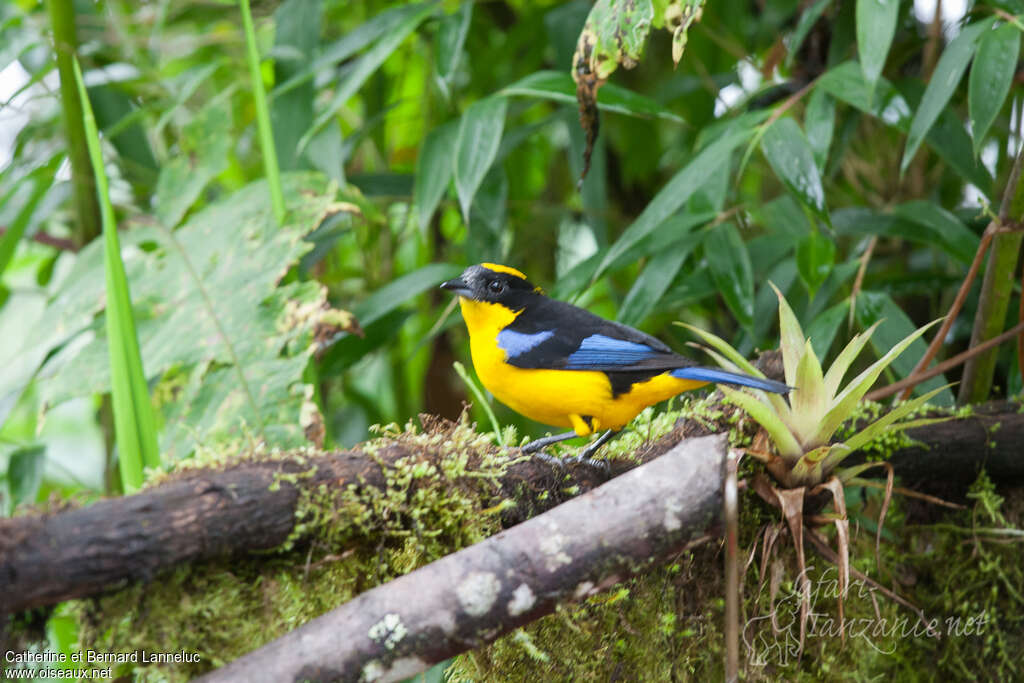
column 996, row 290
column 83, row 181
column 266, row 133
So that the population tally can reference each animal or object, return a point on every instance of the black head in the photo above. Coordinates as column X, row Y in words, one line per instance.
column 493, row 283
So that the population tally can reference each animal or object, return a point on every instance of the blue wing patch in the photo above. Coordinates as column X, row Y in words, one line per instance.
column 598, row 350
column 518, row 343
column 726, row 377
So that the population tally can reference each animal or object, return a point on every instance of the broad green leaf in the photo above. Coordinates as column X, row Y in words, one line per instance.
column 25, row 474
column 202, row 155
column 940, row 88
column 822, row 330
column 557, row 86
column 808, row 18
column 767, row 418
column 488, row 239
column 365, row 66
column 791, row 157
column 876, row 26
column 654, row 280
column 213, row 321
column 943, row 228
column 919, row 221
column 730, row 268
column 819, row 122
column 434, row 169
column 675, row 193
column 134, row 422
column 476, row 146
column 448, row 43
column 815, row 256
column 990, row 79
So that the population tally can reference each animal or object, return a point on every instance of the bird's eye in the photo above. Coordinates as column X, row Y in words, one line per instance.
column 496, row 286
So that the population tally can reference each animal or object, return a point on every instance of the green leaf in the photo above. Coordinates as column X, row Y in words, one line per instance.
column 382, row 25
column 819, row 122
column 614, row 34
column 408, row 19
column 675, row 194
column 134, row 422
column 450, row 39
column 397, row 292
column 876, row 26
column 791, row 338
column 872, row 306
column 25, row 474
column 557, row 86
column 822, row 330
column 991, row 77
column 940, row 88
column 476, row 146
column 842, row 363
column 763, row 414
column 297, row 35
column 213, row 321
column 942, row 227
column 434, row 169
column 947, row 136
column 848, row 398
column 655, row 279
column 730, row 268
column 791, row 157
column 202, row 155
column 815, row 256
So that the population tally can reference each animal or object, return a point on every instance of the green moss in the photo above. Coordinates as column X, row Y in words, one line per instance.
column 445, row 495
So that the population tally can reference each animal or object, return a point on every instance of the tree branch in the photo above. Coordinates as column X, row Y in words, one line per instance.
column 475, row 595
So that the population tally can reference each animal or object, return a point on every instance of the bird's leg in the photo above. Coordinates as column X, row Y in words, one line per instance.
column 540, row 444
column 586, row 455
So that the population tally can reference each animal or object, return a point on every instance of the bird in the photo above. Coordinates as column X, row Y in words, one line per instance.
column 564, row 366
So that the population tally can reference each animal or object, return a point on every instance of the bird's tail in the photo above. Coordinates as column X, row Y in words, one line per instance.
column 726, row 377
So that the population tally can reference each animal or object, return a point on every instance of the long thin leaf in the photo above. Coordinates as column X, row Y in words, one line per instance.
column 790, row 155
column 134, row 423
column 675, row 193
column 434, row 168
column 876, row 26
column 991, row 77
column 476, row 147
column 940, row 88
column 767, row 418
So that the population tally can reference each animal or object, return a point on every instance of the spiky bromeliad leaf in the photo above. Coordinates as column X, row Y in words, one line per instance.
column 847, row 399
column 767, row 418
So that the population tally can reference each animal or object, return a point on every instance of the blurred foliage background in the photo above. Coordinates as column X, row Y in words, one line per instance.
column 852, row 153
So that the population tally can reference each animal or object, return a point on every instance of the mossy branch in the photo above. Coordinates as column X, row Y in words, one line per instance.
column 473, row 596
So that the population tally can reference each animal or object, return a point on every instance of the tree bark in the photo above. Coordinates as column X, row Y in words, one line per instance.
column 473, row 596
